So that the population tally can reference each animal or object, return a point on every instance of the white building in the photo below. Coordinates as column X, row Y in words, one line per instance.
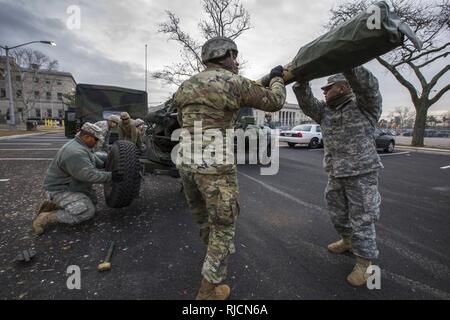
column 38, row 94
column 288, row 117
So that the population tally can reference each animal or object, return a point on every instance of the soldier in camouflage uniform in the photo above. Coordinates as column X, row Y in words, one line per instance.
column 348, row 119
column 128, row 130
column 102, row 147
column 68, row 184
column 214, row 97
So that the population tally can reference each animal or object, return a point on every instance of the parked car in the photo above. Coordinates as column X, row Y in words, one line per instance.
column 384, row 141
column 305, row 134
column 407, row 132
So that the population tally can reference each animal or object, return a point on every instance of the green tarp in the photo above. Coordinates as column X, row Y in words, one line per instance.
column 97, row 102
column 350, row 44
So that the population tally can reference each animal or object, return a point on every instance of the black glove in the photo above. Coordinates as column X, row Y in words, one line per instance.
column 276, row 72
column 117, row 176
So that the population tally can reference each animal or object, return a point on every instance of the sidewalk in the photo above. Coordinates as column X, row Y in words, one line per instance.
column 5, row 133
column 436, row 143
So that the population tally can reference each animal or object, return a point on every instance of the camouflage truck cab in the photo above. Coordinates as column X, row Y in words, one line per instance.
column 96, row 102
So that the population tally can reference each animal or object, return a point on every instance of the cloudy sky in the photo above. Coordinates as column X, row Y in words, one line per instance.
column 110, row 44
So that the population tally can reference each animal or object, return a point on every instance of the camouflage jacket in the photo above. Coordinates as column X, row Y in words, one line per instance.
column 214, row 97
column 130, row 133
column 74, row 169
column 106, row 133
column 348, row 129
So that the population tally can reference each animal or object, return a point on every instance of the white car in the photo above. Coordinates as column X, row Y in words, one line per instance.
column 306, row 134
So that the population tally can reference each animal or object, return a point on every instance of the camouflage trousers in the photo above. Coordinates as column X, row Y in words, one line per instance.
column 354, row 207
column 76, row 207
column 213, row 200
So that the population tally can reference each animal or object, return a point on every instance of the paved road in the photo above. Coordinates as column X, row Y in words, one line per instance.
column 281, row 234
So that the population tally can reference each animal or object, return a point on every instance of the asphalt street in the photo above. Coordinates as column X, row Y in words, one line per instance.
column 282, row 233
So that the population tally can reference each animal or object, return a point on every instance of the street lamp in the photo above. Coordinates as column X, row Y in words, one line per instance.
column 12, row 117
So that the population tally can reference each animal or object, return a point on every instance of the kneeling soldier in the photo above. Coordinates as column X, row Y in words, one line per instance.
column 68, row 184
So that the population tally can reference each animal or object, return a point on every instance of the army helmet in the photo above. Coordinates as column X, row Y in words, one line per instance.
column 217, row 48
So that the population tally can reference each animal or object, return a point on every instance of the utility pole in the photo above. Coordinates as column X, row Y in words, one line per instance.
column 12, row 116
column 145, row 68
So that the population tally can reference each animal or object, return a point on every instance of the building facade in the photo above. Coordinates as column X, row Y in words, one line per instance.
column 37, row 94
column 288, row 117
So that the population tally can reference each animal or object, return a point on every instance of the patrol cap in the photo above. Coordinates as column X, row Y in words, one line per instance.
column 92, row 129
column 124, row 116
column 114, row 118
column 337, row 78
column 138, row 122
column 217, row 48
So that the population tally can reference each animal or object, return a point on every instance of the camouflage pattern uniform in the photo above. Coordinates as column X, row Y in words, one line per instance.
column 351, row 159
column 214, row 97
column 103, row 143
column 69, row 180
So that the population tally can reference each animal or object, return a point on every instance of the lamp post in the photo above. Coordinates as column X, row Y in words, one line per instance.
column 12, row 117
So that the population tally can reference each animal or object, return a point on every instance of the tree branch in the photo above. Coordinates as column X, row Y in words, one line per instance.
column 408, row 85
column 438, row 76
column 444, row 55
column 439, row 94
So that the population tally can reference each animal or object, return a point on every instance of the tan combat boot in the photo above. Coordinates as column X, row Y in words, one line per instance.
column 43, row 220
column 210, row 291
column 341, row 246
column 47, row 206
column 359, row 275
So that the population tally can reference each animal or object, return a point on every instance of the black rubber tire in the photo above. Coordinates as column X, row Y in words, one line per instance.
column 124, row 157
column 291, row 145
column 314, row 143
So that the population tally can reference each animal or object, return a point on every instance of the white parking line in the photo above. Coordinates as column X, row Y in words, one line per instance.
column 4, row 180
column 26, row 159
column 394, row 154
column 25, row 143
column 43, row 149
column 446, row 167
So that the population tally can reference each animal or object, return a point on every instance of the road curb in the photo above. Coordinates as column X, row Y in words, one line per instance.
column 25, row 135
column 424, row 150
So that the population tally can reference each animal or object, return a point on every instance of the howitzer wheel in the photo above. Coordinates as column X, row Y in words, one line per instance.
column 124, row 157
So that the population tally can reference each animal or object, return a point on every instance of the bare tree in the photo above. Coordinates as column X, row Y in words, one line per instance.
column 226, row 18
column 25, row 78
column 430, row 21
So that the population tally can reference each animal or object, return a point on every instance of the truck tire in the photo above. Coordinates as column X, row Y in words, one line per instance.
column 124, row 157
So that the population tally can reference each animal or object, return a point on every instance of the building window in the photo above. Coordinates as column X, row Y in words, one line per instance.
column 18, row 78
column 20, row 110
column 60, row 96
column 2, row 93
column 49, row 113
column 47, row 81
column 38, row 113
column 49, row 96
column 36, row 94
column 60, row 114
column 19, row 93
column 36, row 79
column 59, row 82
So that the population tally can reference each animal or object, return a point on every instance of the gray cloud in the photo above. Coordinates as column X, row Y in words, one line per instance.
column 109, row 48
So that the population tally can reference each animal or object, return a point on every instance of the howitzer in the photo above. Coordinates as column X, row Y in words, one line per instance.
column 366, row 36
